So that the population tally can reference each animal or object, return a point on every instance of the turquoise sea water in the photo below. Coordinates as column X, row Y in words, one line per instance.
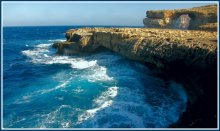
column 104, row 90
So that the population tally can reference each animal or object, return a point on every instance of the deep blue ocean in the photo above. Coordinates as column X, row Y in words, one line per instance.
column 99, row 90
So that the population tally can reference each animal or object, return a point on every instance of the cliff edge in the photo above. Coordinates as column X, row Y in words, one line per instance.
column 188, row 56
column 160, row 47
column 197, row 18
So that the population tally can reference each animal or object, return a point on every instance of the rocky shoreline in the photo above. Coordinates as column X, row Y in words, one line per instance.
column 188, row 56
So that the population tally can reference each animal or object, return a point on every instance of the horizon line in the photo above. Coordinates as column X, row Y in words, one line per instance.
column 70, row 25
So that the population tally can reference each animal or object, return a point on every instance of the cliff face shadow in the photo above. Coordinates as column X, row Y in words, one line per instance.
column 130, row 79
column 201, row 87
column 183, row 56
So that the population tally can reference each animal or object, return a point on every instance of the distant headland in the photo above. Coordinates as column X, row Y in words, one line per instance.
column 197, row 18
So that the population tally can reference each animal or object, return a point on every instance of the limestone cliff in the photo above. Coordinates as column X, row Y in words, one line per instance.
column 187, row 55
column 199, row 18
column 156, row 46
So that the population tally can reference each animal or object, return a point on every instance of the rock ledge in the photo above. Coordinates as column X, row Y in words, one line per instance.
column 187, row 55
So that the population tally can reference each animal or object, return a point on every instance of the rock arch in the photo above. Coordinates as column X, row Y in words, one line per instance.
column 184, row 21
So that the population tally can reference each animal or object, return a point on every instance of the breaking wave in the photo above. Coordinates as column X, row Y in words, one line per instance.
column 42, row 54
column 102, row 90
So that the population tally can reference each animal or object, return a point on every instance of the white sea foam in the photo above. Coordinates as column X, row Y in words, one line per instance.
column 59, row 98
column 28, row 97
column 56, row 40
column 63, row 85
column 81, row 64
column 78, row 90
column 43, row 46
column 24, row 99
column 108, row 105
column 19, row 120
column 41, row 54
column 98, row 73
column 38, row 52
column 105, row 100
column 131, row 109
column 54, row 117
column 122, row 106
column 74, row 62
column 30, row 53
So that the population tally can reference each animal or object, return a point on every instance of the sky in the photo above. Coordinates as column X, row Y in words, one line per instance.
column 82, row 13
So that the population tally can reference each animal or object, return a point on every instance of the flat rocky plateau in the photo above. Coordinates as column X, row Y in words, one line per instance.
column 160, row 47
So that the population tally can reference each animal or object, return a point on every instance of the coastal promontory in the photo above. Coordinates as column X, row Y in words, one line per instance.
column 188, row 56
column 197, row 18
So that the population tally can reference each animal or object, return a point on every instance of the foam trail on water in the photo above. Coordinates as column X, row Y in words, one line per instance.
column 55, row 88
column 53, row 117
column 57, row 40
column 103, row 101
column 27, row 98
column 46, row 46
column 98, row 73
column 131, row 108
column 130, row 97
column 42, row 54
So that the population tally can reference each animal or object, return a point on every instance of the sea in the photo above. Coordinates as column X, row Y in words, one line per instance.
column 42, row 89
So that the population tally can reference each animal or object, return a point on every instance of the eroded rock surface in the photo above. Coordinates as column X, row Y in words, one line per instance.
column 195, row 18
column 190, row 56
column 156, row 46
